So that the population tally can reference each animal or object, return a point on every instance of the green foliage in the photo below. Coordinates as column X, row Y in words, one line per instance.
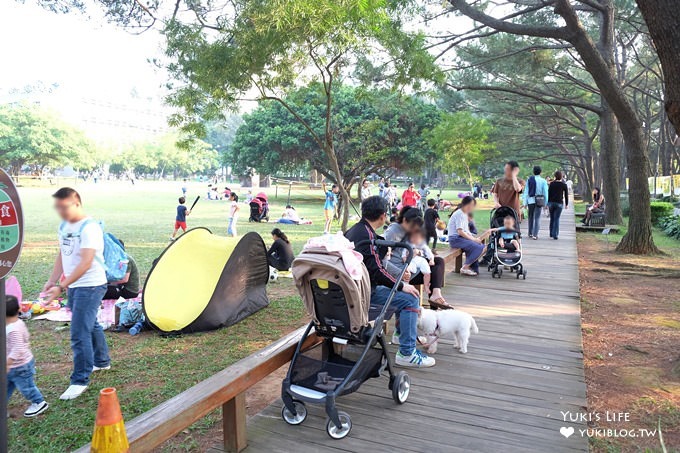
column 34, row 137
column 671, row 226
column 272, row 45
column 660, row 209
column 461, row 142
column 171, row 154
column 374, row 130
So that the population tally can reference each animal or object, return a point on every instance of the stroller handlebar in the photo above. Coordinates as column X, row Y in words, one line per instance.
column 391, row 244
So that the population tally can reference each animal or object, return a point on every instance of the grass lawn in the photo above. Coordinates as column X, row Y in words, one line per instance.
column 147, row 369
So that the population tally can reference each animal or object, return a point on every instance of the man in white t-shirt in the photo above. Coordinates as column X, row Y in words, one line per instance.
column 79, row 270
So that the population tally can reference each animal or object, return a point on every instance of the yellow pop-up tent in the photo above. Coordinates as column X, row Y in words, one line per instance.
column 202, row 282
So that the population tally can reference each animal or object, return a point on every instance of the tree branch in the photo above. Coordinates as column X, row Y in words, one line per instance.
column 561, row 33
column 565, row 103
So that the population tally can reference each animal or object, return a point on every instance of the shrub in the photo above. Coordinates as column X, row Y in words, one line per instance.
column 671, row 226
column 660, row 209
column 625, row 207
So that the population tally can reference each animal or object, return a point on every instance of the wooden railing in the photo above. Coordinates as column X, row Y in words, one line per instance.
column 226, row 389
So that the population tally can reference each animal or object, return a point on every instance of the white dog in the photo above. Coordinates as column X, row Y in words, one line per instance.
column 453, row 325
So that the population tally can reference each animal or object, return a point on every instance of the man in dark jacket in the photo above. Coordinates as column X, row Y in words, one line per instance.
column 406, row 301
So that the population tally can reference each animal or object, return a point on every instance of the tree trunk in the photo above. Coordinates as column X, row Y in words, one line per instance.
column 609, row 151
column 609, row 165
column 638, row 239
column 663, row 22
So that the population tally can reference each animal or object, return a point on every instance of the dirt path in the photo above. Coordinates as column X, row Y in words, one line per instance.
column 631, row 338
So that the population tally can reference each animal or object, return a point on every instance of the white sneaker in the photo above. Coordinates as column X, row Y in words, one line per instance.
column 102, row 368
column 73, row 392
column 395, row 338
column 415, row 360
column 36, row 409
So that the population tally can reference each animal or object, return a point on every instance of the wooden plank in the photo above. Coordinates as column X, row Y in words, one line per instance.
column 234, row 424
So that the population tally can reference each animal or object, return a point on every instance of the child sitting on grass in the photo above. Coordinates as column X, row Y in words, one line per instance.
column 509, row 239
column 20, row 362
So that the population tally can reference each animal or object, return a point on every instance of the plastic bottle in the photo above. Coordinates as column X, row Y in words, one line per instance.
column 134, row 330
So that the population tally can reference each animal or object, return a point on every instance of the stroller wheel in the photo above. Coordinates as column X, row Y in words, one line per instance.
column 524, row 275
column 401, row 387
column 299, row 417
column 333, row 430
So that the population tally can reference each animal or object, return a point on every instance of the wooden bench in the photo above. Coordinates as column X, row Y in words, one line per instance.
column 597, row 219
column 597, row 228
column 454, row 256
column 225, row 389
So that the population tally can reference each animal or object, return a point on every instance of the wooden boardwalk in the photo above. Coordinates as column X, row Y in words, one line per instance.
column 506, row 395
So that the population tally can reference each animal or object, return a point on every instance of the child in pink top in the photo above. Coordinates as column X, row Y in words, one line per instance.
column 20, row 362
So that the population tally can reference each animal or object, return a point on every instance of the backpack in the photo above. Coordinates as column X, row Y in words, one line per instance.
column 115, row 261
column 532, row 186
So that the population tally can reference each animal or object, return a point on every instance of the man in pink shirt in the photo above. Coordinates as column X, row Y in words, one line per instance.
column 20, row 362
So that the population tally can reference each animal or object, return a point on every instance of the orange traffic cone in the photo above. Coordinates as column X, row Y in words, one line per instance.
column 109, row 429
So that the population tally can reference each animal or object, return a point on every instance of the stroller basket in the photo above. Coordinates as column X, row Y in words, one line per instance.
column 321, row 368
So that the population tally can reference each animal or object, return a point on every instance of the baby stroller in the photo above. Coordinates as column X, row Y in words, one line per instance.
column 351, row 349
column 259, row 208
column 502, row 257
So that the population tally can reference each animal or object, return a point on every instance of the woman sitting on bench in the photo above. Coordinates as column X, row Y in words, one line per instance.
column 596, row 208
column 460, row 236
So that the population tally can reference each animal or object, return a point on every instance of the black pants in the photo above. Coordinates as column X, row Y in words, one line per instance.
column 277, row 263
column 437, row 276
column 114, row 292
column 429, row 234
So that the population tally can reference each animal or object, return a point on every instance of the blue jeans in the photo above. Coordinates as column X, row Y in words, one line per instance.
column 87, row 336
column 231, row 229
column 555, row 213
column 473, row 250
column 407, row 308
column 21, row 378
column 534, row 219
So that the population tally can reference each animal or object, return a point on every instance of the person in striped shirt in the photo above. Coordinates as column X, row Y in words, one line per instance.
column 20, row 362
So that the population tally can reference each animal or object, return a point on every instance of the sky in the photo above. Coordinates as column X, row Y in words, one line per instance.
column 86, row 56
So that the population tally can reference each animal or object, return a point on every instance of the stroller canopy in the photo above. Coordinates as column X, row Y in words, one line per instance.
column 497, row 215
column 202, row 282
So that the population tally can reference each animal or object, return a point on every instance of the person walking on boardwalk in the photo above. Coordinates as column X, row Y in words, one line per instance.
column 535, row 198
column 506, row 191
column 558, row 199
